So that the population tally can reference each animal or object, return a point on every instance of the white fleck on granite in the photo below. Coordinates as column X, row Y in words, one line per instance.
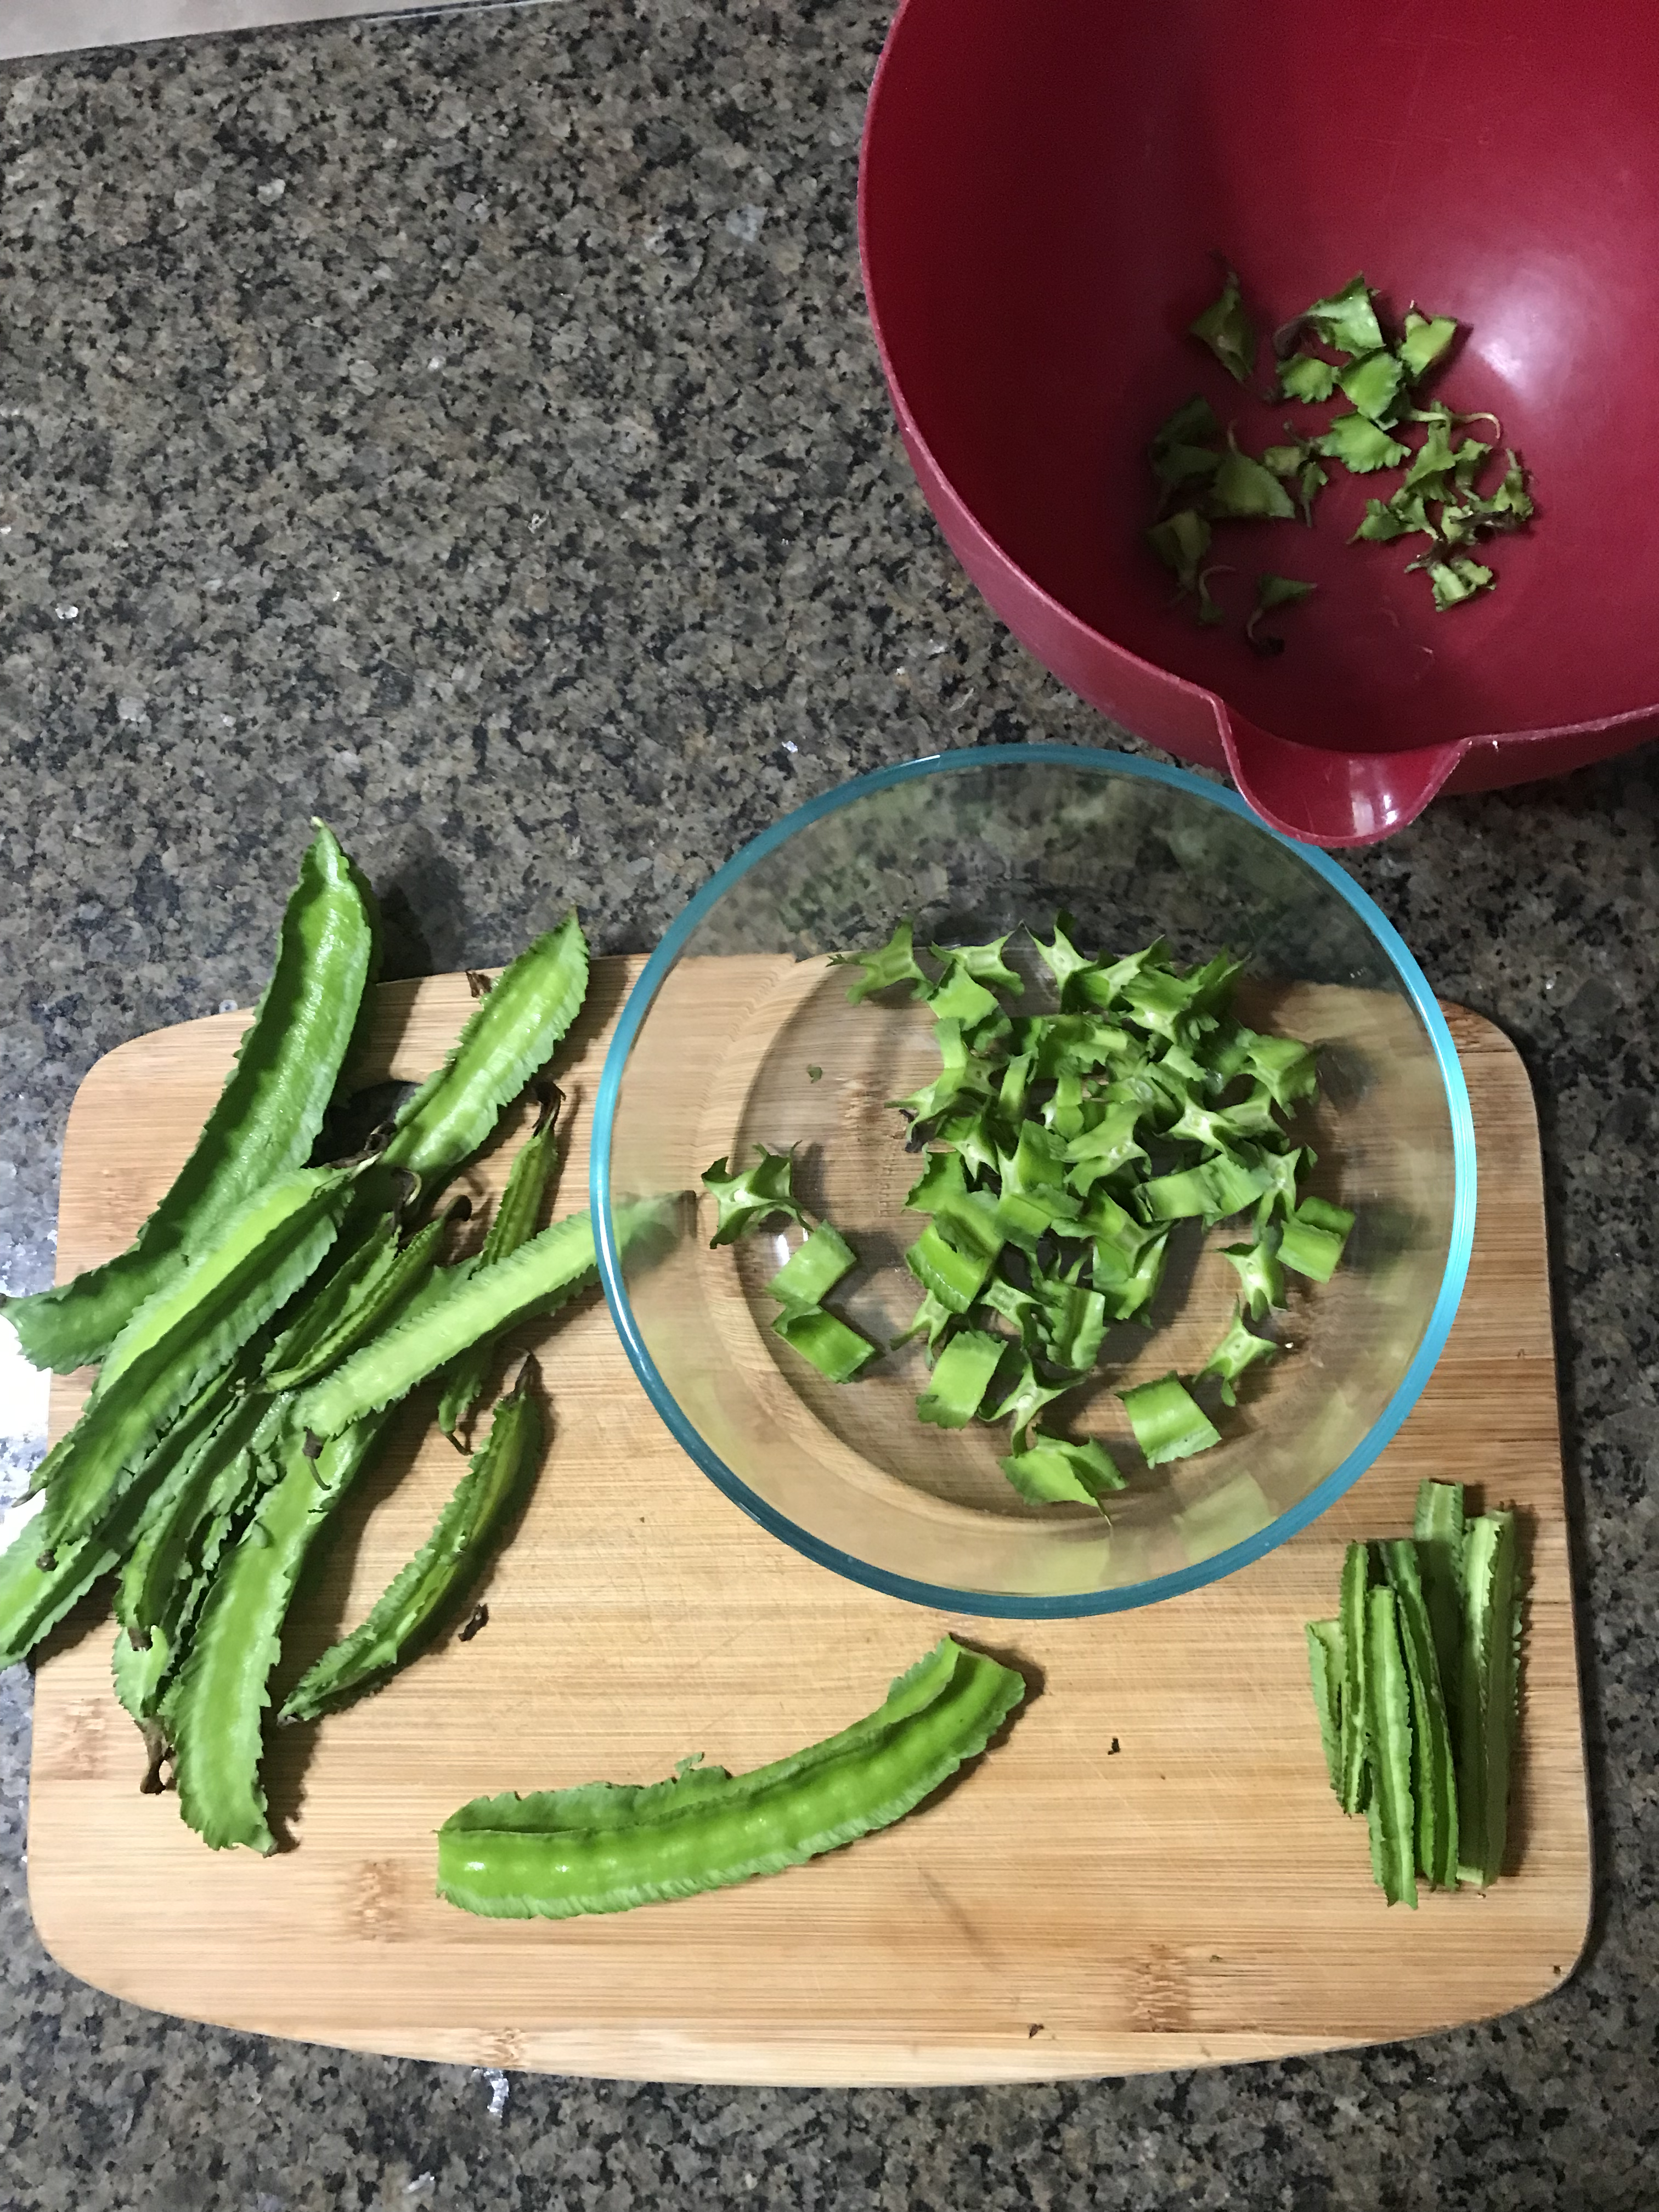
column 469, row 430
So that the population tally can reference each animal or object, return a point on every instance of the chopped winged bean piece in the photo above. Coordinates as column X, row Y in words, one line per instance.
column 1237, row 1351
column 1388, row 1748
column 1434, row 1785
column 808, row 1275
column 962, row 1375
column 1438, row 1530
column 1260, row 1276
column 1488, row 1692
column 835, row 1349
column 748, row 1196
column 1052, row 1471
column 1356, row 1764
column 896, row 962
column 1325, row 1666
column 1168, row 1421
column 1313, row 1237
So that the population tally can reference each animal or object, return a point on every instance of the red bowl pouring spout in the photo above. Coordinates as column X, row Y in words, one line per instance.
column 1044, row 186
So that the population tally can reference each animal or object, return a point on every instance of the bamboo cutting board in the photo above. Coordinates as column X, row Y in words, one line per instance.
column 1149, row 1872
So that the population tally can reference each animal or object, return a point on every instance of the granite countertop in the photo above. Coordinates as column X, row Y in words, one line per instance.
column 469, row 430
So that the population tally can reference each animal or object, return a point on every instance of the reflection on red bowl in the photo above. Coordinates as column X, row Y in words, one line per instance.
column 1044, row 184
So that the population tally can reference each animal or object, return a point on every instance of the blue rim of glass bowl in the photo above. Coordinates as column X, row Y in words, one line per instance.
column 1076, row 1603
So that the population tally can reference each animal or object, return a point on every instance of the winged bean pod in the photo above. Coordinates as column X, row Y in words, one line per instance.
column 605, row 1847
column 511, row 1224
column 208, row 1473
column 462, row 1306
column 235, row 1475
column 33, row 1599
column 512, row 1032
column 264, row 1123
column 449, row 1561
column 214, row 1709
column 189, row 1332
column 378, row 1297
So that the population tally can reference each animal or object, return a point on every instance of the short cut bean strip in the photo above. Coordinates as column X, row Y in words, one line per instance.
column 185, row 1335
column 1356, row 1583
column 406, row 1613
column 512, row 1032
column 606, row 1847
column 264, row 1122
column 1434, row 1785
column 1438, row 1529
column 1389, row 1747
column 1488, row 1699
column 1325, row 1666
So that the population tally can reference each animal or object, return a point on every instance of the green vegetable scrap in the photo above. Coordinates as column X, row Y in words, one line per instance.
column 800, row 1286
column 1360, row 445
column 1226, row 329
column 1346, row 322
column 1243, row 490
column 1181, row 543
column 1425, row 340
column 1439, row 495
column 264, row 1125
column 1414, row 1689
column 1272, row 592
column 606, row 1847
column 1305, row 377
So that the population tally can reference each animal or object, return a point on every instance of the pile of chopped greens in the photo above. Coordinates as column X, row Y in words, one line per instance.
column 1061, row 1149
column 1416, row 1686
column 1334, row 351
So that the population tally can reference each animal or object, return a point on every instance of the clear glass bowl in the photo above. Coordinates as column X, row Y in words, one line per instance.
column 738, row 1032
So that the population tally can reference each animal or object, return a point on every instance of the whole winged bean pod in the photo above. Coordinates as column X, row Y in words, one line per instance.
column 513, row 1224
column 214, row 1713
column 466, row 1305
column 182, row 1337
column 406, row 1612
column 263, row 1124
column 510, row 1033
column 605, row 1847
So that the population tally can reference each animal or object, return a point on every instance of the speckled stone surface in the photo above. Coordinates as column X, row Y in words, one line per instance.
column 469, row 430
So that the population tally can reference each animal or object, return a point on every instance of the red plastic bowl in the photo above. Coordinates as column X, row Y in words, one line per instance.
column 1044, row 187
